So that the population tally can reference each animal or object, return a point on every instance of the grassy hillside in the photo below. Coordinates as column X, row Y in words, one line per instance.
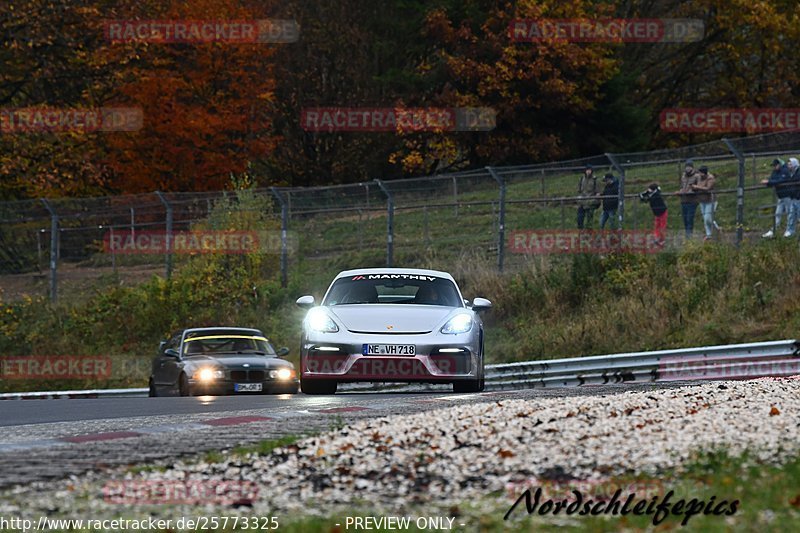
column 551, row 307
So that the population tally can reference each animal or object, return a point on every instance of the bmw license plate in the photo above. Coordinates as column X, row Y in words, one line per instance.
column 247, row 387
column 389, row 349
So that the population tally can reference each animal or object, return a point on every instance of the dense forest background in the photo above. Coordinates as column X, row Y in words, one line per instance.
column 216, row 109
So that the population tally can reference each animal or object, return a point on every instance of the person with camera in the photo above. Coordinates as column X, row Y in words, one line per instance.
column 588, row 199
column 688, row 197
column 610, row 200
column 652, row 195
column 704, row 188
column 779, row 179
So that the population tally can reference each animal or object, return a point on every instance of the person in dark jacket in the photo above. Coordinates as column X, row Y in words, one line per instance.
column 688, row 197
column 779, row 179
column 653, row 196
column 610, row 200
column 793, row 181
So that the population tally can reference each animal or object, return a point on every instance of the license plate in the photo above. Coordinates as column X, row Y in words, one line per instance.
column 389, row 349
column 247, row 387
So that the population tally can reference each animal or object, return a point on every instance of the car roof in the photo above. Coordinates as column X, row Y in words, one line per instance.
column 223, row 328
column 415, row 271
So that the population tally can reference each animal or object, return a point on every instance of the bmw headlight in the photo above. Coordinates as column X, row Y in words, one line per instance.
column 461, row 323
column 318, row 320
column 209, row 374
column 282, row 374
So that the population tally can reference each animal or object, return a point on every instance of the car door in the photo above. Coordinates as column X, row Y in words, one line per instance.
column 167, row 368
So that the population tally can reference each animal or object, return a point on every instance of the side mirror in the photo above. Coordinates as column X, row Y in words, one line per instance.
column 306, row 301
column 481, row 304
column 172, row 352
column 282, row 351
column 161, row 346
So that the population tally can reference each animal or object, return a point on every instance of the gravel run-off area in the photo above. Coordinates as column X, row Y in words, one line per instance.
column 468, row 453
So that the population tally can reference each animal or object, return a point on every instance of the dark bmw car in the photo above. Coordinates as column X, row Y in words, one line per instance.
column 220, row 361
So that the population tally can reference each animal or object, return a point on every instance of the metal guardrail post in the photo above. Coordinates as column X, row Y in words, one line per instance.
column 284, row 235
column 168, row 253
column 389, row 223
column 501, row 228
column 621, row 170
column 53, row 250
column 739, row 192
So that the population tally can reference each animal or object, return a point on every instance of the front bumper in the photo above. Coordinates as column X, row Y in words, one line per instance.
column 222, row 387
column 439, row 358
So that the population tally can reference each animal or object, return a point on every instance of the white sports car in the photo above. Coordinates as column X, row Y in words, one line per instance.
column 392, row 325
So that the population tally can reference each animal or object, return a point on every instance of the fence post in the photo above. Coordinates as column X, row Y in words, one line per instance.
column 501, row 228
column 389, row 223
column 284, row 235
column 621, row 195
column 168, row 251
column 739, row 192
column 53, row 251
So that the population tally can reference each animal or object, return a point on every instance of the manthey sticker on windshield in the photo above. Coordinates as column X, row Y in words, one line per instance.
column 393, row 276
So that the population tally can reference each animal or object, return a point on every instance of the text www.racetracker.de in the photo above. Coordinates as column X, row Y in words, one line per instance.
column 200, row 523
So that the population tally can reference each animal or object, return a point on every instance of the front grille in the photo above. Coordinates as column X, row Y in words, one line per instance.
column 247, row 376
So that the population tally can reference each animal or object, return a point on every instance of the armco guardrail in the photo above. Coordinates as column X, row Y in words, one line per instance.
column 731, row 361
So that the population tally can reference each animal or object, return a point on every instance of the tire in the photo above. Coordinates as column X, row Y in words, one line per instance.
column 472, row 385
column 183, row 386
column 153, row 392
column 318, row 386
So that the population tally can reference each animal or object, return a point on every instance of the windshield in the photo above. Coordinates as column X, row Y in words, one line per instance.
column 218, row 344
column 393, row 289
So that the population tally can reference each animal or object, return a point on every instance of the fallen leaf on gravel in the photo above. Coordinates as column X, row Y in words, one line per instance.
column 320, row 452
column 774, row 411
column 506, row 453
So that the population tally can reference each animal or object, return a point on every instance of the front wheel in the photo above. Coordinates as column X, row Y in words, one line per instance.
column 183, row 386
column 318, row 386
column 472, row 385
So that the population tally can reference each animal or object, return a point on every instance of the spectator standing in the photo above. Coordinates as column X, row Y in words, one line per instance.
column 588, row 199
column 688, row 197
column 610, row 201
column 653, row 196
column 793, row 166
column 779, row 179
column 705, row 195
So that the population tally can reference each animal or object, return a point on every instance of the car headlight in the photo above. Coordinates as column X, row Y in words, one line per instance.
column 209, row 374
column 318, row 320
column 461, row 323
column 282, row 374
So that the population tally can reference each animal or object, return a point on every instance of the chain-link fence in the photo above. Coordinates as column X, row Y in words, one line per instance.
column 58, row 246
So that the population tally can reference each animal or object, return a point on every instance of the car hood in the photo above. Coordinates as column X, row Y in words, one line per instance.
column 388, row 319
column 256, row 362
